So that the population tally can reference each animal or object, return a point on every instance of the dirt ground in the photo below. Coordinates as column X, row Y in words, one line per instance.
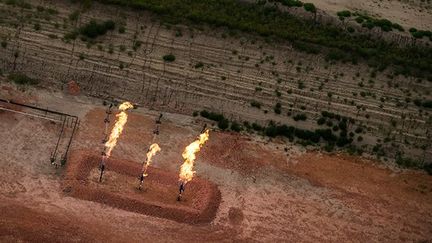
column 271, row 190
column 406, row 13
column 237, row 70
column 119, row 189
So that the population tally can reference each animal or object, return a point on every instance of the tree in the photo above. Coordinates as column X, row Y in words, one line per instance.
column 169, row 58
column 310, row 7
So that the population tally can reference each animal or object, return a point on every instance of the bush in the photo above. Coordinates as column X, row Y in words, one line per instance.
column 94, row 29
column 236, row 127
column 37, row 27
column 278, row 108
column 344, row 14
column 428, row 168
column 199, row 65
column 321, row 121
column 74, row 16
column 223, row 124
column 204, row 113
column 407, row 162
column 335, row 55
column 326, row 134
column 71, row 35
column 300, row 117
column 398, row 27
column 267, row 20
column 4, row 43
column 291, row 3
column 212, row 116
column 257, row 127
column 22, row 79
column 255, row 104
column 122, row 29
column 427, row 104
column 169, row 58
column 310, row 7
column 329, row 147
column 343, row 141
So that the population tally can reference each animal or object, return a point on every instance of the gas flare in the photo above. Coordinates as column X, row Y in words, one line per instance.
column 118, row 128
column 154, row 148
column 186, row 170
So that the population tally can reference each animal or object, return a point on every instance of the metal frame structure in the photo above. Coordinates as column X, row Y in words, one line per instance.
column 66, row 120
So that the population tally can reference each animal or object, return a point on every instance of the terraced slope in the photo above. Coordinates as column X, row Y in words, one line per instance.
column 214, row 69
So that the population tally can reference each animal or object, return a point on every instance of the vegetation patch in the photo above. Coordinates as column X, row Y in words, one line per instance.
column 22, row 79
column 94, row 29
column 269, row 21
column 169, row 58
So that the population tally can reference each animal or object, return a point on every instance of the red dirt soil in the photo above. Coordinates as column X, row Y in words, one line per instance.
column 19, row 223
column 73, row 88
column 199, row 204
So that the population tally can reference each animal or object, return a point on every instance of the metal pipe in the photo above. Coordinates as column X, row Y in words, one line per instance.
column 54, row 154
column 30, row 114
column 36, row 108
column 181, row 190
column 63, row 161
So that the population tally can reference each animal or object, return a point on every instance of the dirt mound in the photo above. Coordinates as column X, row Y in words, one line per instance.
column 119, row 189
column 73, row 88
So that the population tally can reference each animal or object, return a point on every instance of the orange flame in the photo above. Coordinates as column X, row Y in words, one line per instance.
column 186, row 170
column 154, row 148
column 118, row 127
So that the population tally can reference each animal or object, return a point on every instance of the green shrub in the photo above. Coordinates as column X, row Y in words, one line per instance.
column 428, row 168
column 169, row 58
column 204, row 113
column 255, row 104
column 212, row 116
column 300, row 117
column 359, row 19
column 278, row 108
column 94, row 29
column 329, row 147
column 36, row 27
column 22, row 79
column 407, row 162
column 344, row 14
column 71, row 35
column 223, row 124
column 321, row 121
column 51, row 11
column 310, row 7
column 335, row 55
column 122, row 29
column 236, row 127
column 268, row 20
column 291, row 3
column 326, row 134
column 398, row 27
column 199, row 65
column 74, row 16
column 257, row 127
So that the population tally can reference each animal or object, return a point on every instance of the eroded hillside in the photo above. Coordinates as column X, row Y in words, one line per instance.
column 243, row 76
